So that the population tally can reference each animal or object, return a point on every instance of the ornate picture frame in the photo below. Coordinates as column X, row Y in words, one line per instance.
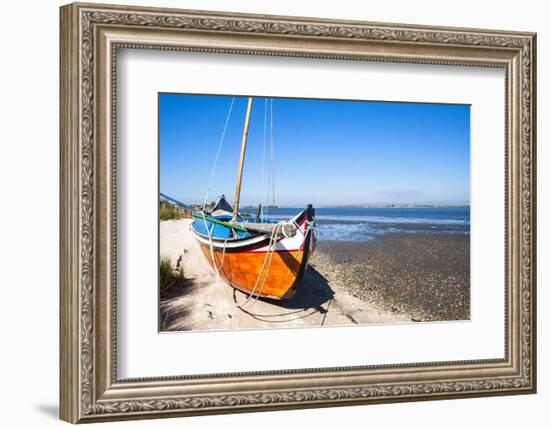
column 90, row 37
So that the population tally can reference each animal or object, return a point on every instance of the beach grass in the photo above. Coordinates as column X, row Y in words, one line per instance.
column 170, row 274
column 167, row 213
column 166, row 273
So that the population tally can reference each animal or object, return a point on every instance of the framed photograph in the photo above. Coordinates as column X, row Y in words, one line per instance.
column 267, row 212
column 287, row 261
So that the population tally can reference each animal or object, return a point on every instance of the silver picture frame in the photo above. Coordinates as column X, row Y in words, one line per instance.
column 90, row 37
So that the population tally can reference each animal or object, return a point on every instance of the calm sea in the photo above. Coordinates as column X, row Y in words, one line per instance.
column 362, row 224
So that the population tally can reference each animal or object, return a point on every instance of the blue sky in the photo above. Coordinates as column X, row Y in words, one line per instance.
column 326, row 152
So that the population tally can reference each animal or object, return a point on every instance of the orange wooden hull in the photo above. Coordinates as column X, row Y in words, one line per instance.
column 279, row 279
column 257, row 264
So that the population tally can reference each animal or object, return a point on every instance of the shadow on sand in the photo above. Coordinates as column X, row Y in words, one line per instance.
column 313, row 297
column 177, row 289
column 312, row 293
column 170, row 313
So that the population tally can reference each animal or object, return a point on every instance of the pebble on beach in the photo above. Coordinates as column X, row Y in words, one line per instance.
column 424, row 277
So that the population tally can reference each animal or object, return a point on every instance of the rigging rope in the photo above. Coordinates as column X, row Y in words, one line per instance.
column 211, row 245
column 271, row 173
column 214, row 166
column 269, row 255
column 262, row 212
column 212, row 174
column 253, row 296
column 280, row 226
column 272, row 154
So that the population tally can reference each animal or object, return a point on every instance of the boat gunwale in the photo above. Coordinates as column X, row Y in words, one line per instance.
column 243, row 244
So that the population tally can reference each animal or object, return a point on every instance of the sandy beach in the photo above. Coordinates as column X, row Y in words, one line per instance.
column 394, row 278
column 203, row 302
column 423, row 277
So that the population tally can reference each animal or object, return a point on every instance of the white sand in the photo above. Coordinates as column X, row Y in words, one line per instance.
column 205, row 302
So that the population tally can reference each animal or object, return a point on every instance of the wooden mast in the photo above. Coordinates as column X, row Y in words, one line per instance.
column 241, row 162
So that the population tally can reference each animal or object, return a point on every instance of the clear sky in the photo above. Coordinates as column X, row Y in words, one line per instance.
column 326, row 152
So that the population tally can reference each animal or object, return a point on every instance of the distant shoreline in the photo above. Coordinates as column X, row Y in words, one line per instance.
column 399, row 207
column 390, row 206
column 351, row 206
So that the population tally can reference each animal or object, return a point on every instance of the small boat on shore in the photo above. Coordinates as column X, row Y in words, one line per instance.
column 261, row 258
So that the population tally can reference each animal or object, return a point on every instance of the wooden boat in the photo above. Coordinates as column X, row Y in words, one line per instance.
column 261, row 259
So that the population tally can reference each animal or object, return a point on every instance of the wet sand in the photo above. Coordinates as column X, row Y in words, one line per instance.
column 424, row 277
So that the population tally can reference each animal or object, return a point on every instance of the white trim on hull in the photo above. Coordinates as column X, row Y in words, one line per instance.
column 283, row 244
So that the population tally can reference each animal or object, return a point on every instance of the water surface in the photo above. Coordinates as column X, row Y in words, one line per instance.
column 363, row 224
